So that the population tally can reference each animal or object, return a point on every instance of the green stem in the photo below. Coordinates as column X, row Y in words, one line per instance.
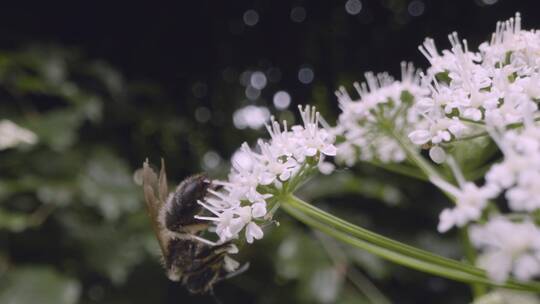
column 474, row 122
column 485, row 133
column 477, row 289
column 400, row 169
column 414, row 156
column 392, row 250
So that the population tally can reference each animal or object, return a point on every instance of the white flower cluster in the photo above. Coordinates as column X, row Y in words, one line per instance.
column 359, row 121
column 497, row 85
column 11, row 135
column 508, row 248
column 259, row 176
column 513, row 247
column 470, row 202
column 505, row 296
column 519, row 173
column 495, row 91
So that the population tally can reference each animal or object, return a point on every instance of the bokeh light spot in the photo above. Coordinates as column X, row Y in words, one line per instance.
column 353, row 7
column 282, row 100
column 416, row 8
column 251, row 17
column 306, row 75
column 252, row 93
column 274, row 74
column 298, row 14
column 202, row 114
column 211, row 160
column 252, row 117
column 199, row 89
column 258, row 80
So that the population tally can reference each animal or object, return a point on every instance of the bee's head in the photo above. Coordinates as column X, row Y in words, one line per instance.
column 191, row 190
column 197, row 185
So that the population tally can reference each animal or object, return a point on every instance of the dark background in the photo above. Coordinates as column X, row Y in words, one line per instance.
column 166, row 75
column 178, row 43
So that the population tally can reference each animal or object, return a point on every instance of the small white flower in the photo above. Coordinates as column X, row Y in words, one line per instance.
column 508, row 248
column 258, row 209
column 420, row 137
column 519, row 172
column 437, row 154
column 470, row 200
column 253, row 232
column 228, row 226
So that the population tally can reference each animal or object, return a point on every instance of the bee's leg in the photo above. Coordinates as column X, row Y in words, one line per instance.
column 224, row 275
column 201, row 281
column 206, row 259
column 225, row 247
column 203, row 240
column 214, row 186
column 192, row 254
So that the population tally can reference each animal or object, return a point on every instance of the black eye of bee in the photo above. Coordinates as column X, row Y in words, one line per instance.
column 195, row 263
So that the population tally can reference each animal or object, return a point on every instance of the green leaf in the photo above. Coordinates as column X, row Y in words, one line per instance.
column 472, row 154
column 15, row 222
column 57, row 129
column 127, row 243
column 106, row 183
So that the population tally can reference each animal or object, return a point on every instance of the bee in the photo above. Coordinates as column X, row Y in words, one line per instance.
column 196, row 263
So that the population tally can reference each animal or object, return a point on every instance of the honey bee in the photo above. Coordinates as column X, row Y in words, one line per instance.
column 196, row 263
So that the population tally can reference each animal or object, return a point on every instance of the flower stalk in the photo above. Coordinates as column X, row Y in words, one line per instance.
column 392, row 250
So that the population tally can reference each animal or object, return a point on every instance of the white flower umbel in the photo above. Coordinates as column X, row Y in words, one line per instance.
column 495, row 85
column 259, row 176
column 380, row 97
column 469, row 198
column 504, row 296
column 519, row 172
column 508, row 247
column 11, row 135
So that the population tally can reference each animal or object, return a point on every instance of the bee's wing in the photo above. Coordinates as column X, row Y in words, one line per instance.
column 162, row 182
column 155, row 193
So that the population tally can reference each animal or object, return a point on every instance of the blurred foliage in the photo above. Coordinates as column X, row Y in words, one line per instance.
column 38, row 283
column 73, row 228
column 65, row 202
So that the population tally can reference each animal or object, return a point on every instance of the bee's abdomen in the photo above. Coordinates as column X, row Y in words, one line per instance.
column 181, row 253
